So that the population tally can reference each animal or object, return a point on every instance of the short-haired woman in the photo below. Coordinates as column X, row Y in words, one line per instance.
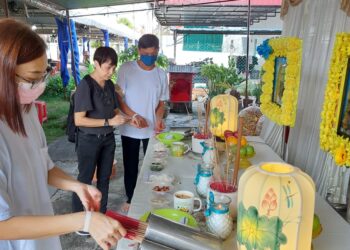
column 96, row 112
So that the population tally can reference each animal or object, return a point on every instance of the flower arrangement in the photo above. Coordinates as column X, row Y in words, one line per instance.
column 291, row 49
column 337, row 145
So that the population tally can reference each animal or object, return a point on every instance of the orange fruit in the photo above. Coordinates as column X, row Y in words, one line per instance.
column 243, row 141
column 231, row 140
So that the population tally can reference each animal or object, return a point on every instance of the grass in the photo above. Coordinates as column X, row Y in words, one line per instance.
column 57, row 110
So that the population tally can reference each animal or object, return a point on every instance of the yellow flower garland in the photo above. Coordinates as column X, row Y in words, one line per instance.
column 337, row 145
column 290, row 48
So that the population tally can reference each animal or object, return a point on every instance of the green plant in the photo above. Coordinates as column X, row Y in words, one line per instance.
column 126, row 22
column 257, row 91
column 54, row 86
column 220, row 77
column 96, row 44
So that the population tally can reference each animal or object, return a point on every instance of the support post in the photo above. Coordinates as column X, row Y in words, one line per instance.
column 5, row 7
column 246, row 100
column 175, row 39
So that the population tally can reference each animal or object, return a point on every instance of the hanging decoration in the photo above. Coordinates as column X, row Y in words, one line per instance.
column 335, row 116
column 281, row 78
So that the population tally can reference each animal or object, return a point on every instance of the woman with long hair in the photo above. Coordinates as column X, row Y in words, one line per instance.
column 27, row 219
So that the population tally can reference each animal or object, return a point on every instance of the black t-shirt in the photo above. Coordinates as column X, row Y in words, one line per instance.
column 98, row 103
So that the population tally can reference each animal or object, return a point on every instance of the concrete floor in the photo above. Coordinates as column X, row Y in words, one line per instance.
column 63, row 154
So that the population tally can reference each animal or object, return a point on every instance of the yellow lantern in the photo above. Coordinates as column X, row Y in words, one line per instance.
column 275, row 208
column 223, row 114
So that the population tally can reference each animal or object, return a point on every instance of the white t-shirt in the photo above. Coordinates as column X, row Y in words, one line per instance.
column 142, row 92
column 24, row 166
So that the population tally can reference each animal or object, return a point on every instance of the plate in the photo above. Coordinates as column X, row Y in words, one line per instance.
column 172, row 214
column 168, row 138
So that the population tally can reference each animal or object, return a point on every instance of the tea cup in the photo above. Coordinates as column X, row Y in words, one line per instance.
column 184, row 201
column 178, row 149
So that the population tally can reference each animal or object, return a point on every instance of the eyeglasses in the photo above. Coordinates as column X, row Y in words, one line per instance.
column 35, row 83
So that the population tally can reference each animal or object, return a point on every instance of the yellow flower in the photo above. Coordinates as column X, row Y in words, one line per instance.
column 340, row 156
column 330, row 141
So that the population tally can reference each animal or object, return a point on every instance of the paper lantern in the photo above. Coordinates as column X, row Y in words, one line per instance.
column 223, row 114
column 275, row 208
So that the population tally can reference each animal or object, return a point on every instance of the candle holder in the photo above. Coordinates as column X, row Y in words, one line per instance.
column 218, row 188
column 218, row 216
column 203, row 177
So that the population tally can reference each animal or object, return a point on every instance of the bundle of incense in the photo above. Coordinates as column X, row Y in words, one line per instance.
column 199, row 113
column 135, row 229
column 238, row 155
column 207, row 114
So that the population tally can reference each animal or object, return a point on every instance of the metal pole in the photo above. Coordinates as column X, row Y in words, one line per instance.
column 71, row 47
column 245, row 102
column 175, row 39
column 5, row 7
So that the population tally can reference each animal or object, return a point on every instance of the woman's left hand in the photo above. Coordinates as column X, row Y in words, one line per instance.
column 90, row 197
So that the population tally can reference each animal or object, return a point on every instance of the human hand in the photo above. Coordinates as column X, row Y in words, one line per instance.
column 160, row 125
column 139, row 122
column 90, row 197
column 118, row 119
column 105, row 231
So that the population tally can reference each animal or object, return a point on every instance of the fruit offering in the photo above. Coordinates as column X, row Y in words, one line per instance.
column 245, row 151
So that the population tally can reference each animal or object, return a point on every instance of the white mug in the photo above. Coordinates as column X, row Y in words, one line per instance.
column 184, row 201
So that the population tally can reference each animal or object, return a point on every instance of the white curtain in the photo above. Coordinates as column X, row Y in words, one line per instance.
column 316, row 23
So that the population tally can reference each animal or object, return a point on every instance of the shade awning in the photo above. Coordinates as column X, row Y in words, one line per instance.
column 214, row 13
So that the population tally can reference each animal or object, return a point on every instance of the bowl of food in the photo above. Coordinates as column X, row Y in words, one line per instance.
column 162, row 178
column 162, row 188
column 168, row 138
column 156, row 166
column 161, row 201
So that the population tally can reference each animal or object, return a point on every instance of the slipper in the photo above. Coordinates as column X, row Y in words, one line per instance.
column 125, row 208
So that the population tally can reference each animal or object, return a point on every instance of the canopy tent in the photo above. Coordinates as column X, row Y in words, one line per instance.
column 104, row 23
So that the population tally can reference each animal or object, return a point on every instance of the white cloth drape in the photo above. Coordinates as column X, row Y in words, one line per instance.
column 316, row 23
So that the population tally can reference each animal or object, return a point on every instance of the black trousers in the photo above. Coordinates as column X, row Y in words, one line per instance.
column 131, row 149
column 94, row 151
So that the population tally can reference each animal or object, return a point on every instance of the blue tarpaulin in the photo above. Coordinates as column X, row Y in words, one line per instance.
column 64, row 46
column 126, row 43
column 76, row 72
column 106, row 37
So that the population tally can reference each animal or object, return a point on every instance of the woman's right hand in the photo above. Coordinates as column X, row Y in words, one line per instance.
column 118, row 119
column 105, row 231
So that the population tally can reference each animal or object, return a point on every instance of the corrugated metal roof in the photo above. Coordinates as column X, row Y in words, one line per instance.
column 214, row 13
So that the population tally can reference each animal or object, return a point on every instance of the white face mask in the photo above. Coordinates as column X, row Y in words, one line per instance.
column 28, row 92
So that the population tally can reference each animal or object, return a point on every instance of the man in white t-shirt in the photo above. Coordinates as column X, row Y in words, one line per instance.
column 145, row 89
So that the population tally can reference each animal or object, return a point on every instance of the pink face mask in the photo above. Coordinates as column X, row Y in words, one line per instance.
column 29, row 93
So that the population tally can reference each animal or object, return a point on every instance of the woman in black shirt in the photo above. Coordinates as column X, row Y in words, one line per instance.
column 95, row 114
